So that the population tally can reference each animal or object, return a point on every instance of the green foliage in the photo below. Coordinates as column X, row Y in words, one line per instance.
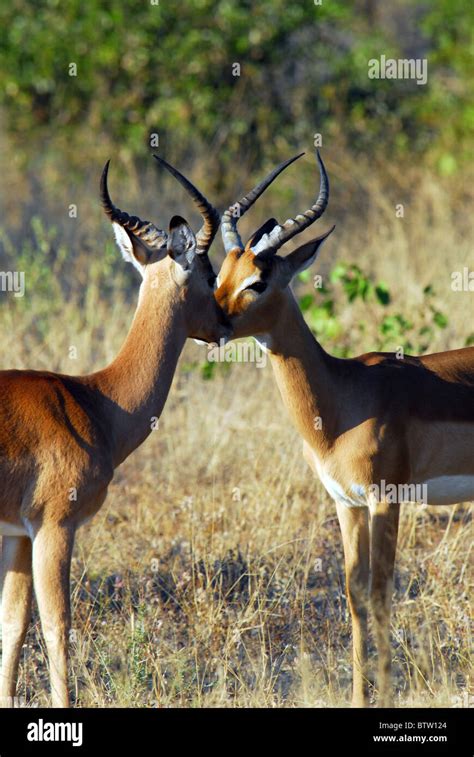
column 450, row 24
column 395, row 330
column 170, row 69
column 144, row 67
column 38, row 259
column 356, row 284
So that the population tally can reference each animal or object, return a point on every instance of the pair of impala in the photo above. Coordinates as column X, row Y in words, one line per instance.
column 408, row 421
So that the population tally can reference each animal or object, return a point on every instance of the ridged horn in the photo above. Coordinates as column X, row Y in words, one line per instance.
column 230, row 218
column 211, row 216
column 145, row 231
column 284, row 232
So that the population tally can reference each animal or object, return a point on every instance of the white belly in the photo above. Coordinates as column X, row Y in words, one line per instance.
column 449, row 490
column 8, row 529
column 443, row 490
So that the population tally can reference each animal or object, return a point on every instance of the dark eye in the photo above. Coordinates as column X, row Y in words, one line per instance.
column 258, row 286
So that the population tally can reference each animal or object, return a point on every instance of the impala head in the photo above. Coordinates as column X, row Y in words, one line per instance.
column 177, row 257
column 253, row 280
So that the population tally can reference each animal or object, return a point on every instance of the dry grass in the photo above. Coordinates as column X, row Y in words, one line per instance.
column 213, row 574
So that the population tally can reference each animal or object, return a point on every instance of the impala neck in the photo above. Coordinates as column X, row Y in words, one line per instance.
column 306, row 375
column 135, row 385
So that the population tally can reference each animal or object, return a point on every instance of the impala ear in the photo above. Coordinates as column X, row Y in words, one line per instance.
column 134, row 250
column 181, row 242
column 140, row 242
column 303, row 257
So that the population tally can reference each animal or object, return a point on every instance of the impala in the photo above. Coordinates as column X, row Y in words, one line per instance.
column 61, row 437
column 370, row 424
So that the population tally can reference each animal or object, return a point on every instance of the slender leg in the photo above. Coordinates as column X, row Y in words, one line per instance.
column 354, row 523
column 16, row 591
column 52, row 551
column 384, row 532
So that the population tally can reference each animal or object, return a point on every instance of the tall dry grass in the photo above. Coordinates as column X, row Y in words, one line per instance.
column 213, row 575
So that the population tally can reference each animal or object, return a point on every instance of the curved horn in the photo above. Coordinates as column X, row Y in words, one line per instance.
column 282, row 233
column 147, row 232
column 230, row 235
column 211, row 216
